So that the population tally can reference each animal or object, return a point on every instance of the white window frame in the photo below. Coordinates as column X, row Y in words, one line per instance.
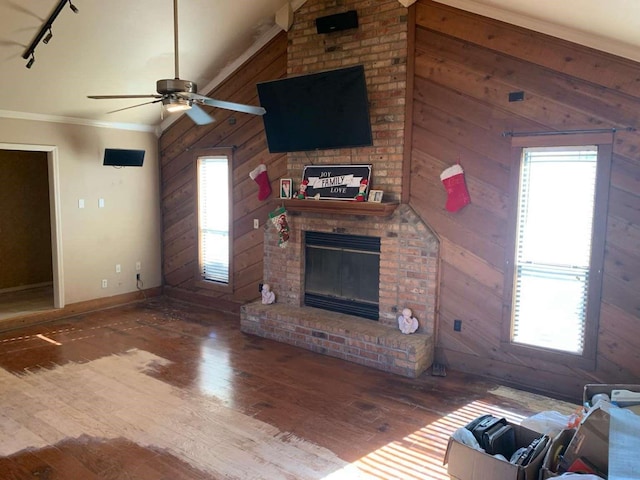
column 603, row 142
column 199, row 157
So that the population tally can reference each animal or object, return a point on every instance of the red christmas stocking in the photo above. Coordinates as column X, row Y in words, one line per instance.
column 457, row 193
column 259, row 174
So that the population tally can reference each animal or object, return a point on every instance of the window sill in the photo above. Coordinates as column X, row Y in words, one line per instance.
column 210, row 285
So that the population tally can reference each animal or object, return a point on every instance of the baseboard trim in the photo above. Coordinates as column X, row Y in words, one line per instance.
column 79, row 308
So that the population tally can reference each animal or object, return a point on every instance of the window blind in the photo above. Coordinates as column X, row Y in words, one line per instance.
column 213, row 218
column 553, row 247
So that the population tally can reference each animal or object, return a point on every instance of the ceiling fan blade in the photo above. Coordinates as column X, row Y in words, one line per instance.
column 237, row 107
column 112, row 97
column 199, row 116
column 134, row 106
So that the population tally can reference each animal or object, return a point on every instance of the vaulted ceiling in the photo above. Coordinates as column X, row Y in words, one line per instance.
column 123, row 47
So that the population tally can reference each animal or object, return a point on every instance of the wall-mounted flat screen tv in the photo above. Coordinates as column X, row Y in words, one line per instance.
column 318, row 111
column 120, row 157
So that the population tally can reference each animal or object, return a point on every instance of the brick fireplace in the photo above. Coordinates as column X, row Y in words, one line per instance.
column 408, row 249
column 408, row 277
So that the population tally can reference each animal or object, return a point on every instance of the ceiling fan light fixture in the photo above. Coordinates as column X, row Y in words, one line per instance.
column 172, row 105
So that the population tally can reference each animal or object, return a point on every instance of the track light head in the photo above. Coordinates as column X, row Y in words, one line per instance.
column 48, row 37
column 73, row 8
column 31, row 61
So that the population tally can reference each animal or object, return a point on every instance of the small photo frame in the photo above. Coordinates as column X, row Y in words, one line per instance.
column 375, row 196
column 285, row 187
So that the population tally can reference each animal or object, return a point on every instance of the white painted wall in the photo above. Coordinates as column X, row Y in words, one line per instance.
column 93, row 240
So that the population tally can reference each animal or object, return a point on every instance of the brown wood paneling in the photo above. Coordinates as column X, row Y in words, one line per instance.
column 474, row 266
column 616, row 323
column 528, row 376
column 246, row 134
column 465, row 67
column 557, row 55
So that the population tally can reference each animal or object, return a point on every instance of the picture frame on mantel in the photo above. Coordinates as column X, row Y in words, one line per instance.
column 375, row 196
column 336, row 182
column 286, row 187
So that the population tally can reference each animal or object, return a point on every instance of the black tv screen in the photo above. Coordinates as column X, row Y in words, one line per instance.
column 119, row 157
column 319, row 111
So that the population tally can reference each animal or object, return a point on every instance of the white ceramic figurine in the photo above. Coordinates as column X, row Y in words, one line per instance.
column 268, row 297
column 406, row 322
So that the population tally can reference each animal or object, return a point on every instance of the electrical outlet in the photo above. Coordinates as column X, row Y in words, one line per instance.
column 457, row 325
column 118, row 268
column 256, row 223
column 516, row 96
column 105, row 283
column 138, row 266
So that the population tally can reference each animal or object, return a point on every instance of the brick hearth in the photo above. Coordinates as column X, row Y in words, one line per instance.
column 350, row 338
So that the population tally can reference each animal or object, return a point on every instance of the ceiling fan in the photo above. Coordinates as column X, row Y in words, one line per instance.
column 179, row 95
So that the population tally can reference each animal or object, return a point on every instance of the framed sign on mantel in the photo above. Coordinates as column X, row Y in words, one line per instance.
column 336, row 182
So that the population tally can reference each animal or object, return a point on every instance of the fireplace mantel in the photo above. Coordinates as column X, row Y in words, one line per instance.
column 341, row 207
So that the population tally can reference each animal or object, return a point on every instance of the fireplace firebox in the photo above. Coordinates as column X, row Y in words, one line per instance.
column 342, row 273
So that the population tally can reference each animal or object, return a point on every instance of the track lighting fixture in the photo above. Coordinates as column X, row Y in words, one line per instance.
column 46, row 29
column 48, row 37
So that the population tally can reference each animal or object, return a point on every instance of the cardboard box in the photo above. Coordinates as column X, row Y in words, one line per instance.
column 593, row 388
column 466, row 463
column 552, row 458
column 591, row 440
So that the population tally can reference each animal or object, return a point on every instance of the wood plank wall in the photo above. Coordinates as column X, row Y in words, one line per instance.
column 245, row 133
column 465, row 67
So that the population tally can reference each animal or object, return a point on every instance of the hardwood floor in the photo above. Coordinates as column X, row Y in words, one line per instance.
column 20, row 302
column 165, row 390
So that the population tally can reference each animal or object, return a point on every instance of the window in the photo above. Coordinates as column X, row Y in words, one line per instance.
column 214, row 214
column 554, row 266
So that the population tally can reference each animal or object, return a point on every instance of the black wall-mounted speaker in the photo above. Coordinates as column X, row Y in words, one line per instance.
column 337, row 22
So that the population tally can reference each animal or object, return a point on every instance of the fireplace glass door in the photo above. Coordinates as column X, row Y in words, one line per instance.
column 342, row 273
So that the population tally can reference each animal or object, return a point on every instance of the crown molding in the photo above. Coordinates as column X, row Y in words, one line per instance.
column 39, row 117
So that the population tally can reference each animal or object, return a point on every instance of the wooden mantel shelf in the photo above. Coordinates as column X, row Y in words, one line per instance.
column 341, row 207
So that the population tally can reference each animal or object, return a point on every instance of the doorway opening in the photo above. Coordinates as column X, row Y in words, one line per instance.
column 39, row 295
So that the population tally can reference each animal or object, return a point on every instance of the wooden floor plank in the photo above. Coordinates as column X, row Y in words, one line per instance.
column 209, row 401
